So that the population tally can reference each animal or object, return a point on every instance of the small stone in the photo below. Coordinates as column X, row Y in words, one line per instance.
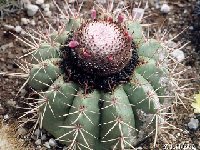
column 178, row 55
column 37, row 132
column 38, row 142
column 170, row 19
column 24, row 50
column 9, row 67
column 185, row 11
column 171, row 44
column 191, row 28
column 32, row 22
column 25, row 3
column 191, row 115
column 32, row 9
column 71, row 1
column 47, row 13
column 11, row 56
column 44, row 137
column 165, row 8
column 6, row 46
column 193, row 124
column 61, row 16
column 34, row 137
column 45, row 7
column 9, row 27
column 24, row 21
column 2, row 59
column 102, row 1
column 18, row 29
column 52, row 142
column 21, row 131
column 39, row 147
column 65, row 148
column 11, row 102
column 39, row 2
column 23, row 32
column 22, row 92
column 6, row 117
column 46, row 144
column 178, row 134
column 39, row 22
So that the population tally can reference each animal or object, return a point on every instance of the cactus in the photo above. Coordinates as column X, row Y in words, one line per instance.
column 99, row 82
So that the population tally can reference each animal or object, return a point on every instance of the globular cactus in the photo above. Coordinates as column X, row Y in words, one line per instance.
column 99, row 83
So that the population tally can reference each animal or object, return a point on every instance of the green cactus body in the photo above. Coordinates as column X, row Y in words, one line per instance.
column 81, row 113
column 45, row 51
column 44, row 74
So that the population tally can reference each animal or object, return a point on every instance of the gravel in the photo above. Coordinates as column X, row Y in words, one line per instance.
column 44, row 137
column 39, row 2
column 165, row 8
column 6, row 117
column 38, row 142
column 6, row 46
column 178, row 55
column 193, row 124
column 18, row 29
column 32, row 9
column 24, row 21
column 21, row 131
column 46, row 144
column 52, row 142
column 9, row 27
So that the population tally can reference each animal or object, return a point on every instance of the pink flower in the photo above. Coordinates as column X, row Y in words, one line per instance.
column 110, row 57
column 73, row 44
column 120, row 18
column 86, row 53
column 93, row 14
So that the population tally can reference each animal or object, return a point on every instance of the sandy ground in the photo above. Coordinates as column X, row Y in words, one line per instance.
column 8, row 139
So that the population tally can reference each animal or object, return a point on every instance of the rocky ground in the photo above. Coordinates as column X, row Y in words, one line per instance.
column 180, row 16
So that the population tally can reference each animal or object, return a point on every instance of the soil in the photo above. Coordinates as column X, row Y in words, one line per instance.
column 180, row 17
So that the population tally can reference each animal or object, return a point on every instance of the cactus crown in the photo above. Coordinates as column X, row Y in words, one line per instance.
column 100, row 54
column 104, row 47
